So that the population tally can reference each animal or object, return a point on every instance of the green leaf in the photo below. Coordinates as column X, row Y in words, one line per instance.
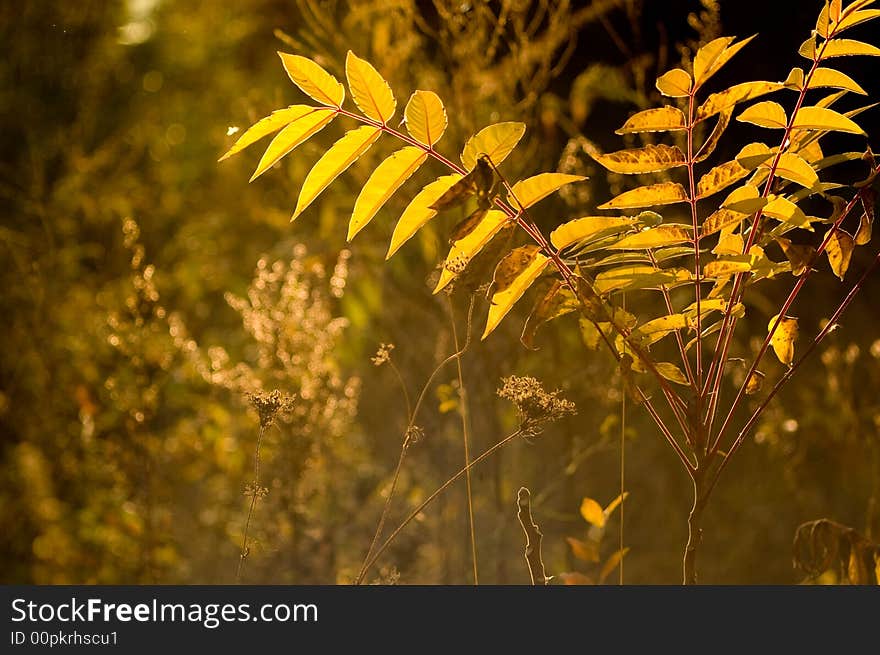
column 727, row 99
column 369, row 89
column 271, row 123
column 839, row 249
column 557, row 301
column 719, row 178
column 514, row 274
column 848, row 48
column 589, row 227
column 592, row 512
column 765, row 114
column 385, row 180
column 425, row 117
column 337, row 159
column 313, row 80
column 526, row 193
column 496, row 142
column 662, row 119
column 830, row 78
column 820, row 118
column 675, row 83
column 652, row 195
column 655, row 237
column 784, row 337
column 465, row 249
column 296, row 132
column 419, row 211
column 649, row 159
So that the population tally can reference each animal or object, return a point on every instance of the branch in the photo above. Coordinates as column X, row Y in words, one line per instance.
column 533, row 538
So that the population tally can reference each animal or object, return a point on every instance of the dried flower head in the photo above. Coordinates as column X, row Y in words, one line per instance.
column 269, row 404
column 382, row 355
column 414, row 435
column 534, row 405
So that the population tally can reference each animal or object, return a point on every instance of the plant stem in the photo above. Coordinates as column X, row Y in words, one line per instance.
column 255, row 490
column 463, row 412
column 418, row 510
column 695, row 531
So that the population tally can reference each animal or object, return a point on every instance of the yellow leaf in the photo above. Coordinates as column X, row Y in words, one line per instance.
column 839, row 250
column 793, row 168
column 663, row 193
column 587, row 551
column 314, row 81
column 808, row 48
column 614, row 504
column 709, row 144
column 671, row 372
column 589, row 227
column 830, row 78
column 369, row 89
column 332, row 163
column 384, row 181
column 514, row 274
column 638, row 277
column 526, row 193
column 765, row 114
column 675, row 83
column 722, row 267
column 649, row 159
column 425, row 117
column 556, row 302
column 719, row 220
column 662, row 119
column 729, row 244
column 849, row 47
column 593, row 512
column 654, row 237
column 291, row 136
column 754, row 383
column 866, row 227
column 719, row 178
column 821, row 118
column 800, row 257
column 856, row 18
column 271, row 123
column 712, row 56
column 419, row 211
column 784, row 337
column 753, row 155
column 718, row 102
column 465, row 249
column 496, row 141
column 654, row 330
column 786, row 211
column 745, row 199
column 612, row 563
column 795, row 79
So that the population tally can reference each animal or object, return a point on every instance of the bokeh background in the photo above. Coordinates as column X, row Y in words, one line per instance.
column 147, row 289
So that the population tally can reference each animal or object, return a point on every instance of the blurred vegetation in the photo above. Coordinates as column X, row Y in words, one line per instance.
column 147, row 292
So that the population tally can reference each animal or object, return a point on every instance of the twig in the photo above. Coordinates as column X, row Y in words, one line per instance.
column 533, row 538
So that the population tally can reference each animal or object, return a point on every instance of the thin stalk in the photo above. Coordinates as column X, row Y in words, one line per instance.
column 685, row 361
column 728, row 323
column 519, row 217
column 465, row 420
column 792, row 296
column 255, row 489
column 418, row 510
column 791, row 371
